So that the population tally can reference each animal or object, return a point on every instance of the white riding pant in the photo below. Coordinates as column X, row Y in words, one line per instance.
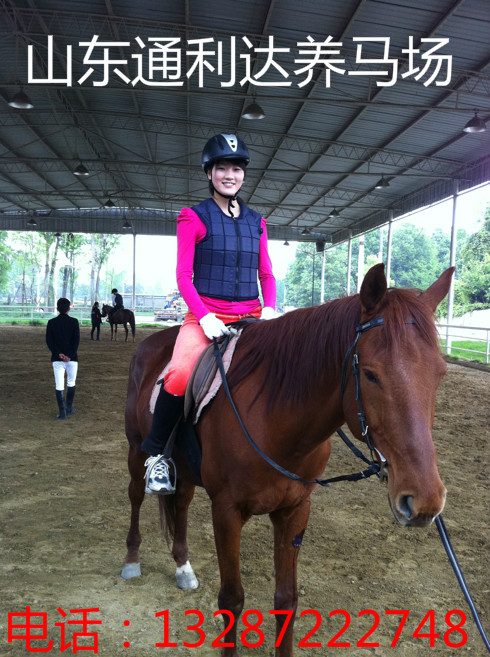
column 59, row 369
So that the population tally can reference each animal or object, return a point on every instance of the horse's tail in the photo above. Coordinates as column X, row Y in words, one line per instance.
column 132, row 322
column 168, row 510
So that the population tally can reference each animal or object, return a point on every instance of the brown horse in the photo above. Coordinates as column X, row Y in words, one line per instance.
column 121, row 316
column 285, row 379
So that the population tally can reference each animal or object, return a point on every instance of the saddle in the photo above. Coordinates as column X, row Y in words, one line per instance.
column 203, row 386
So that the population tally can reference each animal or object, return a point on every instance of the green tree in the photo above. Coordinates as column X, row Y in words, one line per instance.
column 474, row 288
column 303, row 280
column 442, row 243
column 101, row 246
column 71, row 245
column 26, row 266
column 303, row 277
column 5, row 261
column 414, row 261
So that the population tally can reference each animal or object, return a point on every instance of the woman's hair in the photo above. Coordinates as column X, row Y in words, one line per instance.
column 63, row 305
column 96, row 304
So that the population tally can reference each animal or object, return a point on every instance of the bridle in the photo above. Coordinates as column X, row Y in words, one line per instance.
column 361, row 416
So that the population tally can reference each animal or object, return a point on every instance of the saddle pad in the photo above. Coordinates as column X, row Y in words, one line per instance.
column 156, row 388
column 206, row 378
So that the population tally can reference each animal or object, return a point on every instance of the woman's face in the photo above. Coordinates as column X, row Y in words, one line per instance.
column 227, row 177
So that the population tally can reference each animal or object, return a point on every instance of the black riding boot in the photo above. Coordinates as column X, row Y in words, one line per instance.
column 168, row 409
column 60, row 398
column 70, row 394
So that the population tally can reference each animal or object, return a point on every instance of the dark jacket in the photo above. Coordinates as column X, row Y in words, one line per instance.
column 118, row 301
column 226, row 261
column 96, row 317
column 63, row 336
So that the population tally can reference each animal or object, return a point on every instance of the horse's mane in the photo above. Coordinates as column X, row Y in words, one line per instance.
column 301, row 349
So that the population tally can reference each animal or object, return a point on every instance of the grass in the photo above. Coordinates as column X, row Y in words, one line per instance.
column 458, row 347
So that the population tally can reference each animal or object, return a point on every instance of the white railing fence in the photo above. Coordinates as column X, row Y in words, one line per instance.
column 448, row 334
column 451, row 333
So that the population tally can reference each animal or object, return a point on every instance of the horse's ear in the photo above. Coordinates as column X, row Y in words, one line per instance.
column 438, row 290
column 373, row 288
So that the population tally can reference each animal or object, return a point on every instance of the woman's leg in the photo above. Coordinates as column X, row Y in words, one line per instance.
column 71, row 378
column 170, row 404
column 59, row 378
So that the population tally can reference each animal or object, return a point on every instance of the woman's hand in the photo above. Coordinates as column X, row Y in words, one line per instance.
column 268, row 313
column 213, row 327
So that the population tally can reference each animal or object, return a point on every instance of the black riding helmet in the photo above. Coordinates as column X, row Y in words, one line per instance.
column 224, row 147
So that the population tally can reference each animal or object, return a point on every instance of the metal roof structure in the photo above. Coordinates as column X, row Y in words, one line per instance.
column 353, row 91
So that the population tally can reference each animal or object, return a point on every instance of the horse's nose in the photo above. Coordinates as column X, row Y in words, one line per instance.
column 405, row 506
column 407, row 512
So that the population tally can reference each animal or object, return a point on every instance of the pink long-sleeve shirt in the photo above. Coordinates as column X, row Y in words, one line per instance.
column 190, row 231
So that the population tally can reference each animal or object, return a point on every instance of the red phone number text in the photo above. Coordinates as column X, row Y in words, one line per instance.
column 253, row 636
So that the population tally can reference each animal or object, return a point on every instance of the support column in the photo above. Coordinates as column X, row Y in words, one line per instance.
column 452, row 263
column 360, row 263
column 322, row 292
column 388, row 248
column 134, row 272
column 349, row 262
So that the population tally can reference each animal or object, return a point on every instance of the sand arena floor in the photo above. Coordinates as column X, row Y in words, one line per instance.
column 65, row 516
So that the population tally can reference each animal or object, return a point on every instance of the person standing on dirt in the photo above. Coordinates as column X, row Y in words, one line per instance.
column 222, row 253
column 96, row 318
column 63, row 338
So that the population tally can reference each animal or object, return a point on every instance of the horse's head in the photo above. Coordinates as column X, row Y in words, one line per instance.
column 400, row 368
column 105, row 310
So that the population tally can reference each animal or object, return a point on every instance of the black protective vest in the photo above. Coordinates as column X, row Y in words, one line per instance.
column 226, row 261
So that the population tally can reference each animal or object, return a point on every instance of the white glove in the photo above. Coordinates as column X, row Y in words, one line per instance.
column 213, row 327
column 268, row 313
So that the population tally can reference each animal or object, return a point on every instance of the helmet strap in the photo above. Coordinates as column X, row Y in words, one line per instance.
column 231, row 199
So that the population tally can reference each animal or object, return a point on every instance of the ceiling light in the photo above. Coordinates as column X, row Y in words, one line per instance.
column 475, row 124
column 58, row 234
column 286, row 243
column 253, row 111
column 306, row 231
column 127, row 225
column 81, row 170
column 333, row 213
column 21, row 101
column 109, row 203
column 382, row 183
column 32, row 222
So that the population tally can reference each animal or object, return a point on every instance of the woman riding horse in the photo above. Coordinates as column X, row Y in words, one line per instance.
column 221, row 249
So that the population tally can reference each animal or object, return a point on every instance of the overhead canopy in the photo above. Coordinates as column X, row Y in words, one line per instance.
column 120, row 90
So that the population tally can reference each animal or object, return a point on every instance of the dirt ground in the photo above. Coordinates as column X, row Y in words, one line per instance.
column 65, row 516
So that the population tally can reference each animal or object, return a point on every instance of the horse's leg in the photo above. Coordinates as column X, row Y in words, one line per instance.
column 184, row 573
column 136, row 491
column 126, row 329
column 289, row 527
column 227, row 525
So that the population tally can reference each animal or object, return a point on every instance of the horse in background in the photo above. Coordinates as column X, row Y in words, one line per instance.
column 121, row 316
column 286, row 378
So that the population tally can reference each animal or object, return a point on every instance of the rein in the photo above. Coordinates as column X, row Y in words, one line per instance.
column 373, row 467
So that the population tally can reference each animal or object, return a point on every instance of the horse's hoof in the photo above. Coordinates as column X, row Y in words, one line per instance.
column 185, row 577
column 131, row 570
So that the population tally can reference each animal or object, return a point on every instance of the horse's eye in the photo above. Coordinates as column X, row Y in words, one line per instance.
column 370, row 376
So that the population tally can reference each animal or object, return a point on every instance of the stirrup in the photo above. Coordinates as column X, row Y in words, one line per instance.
column 158, row 479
